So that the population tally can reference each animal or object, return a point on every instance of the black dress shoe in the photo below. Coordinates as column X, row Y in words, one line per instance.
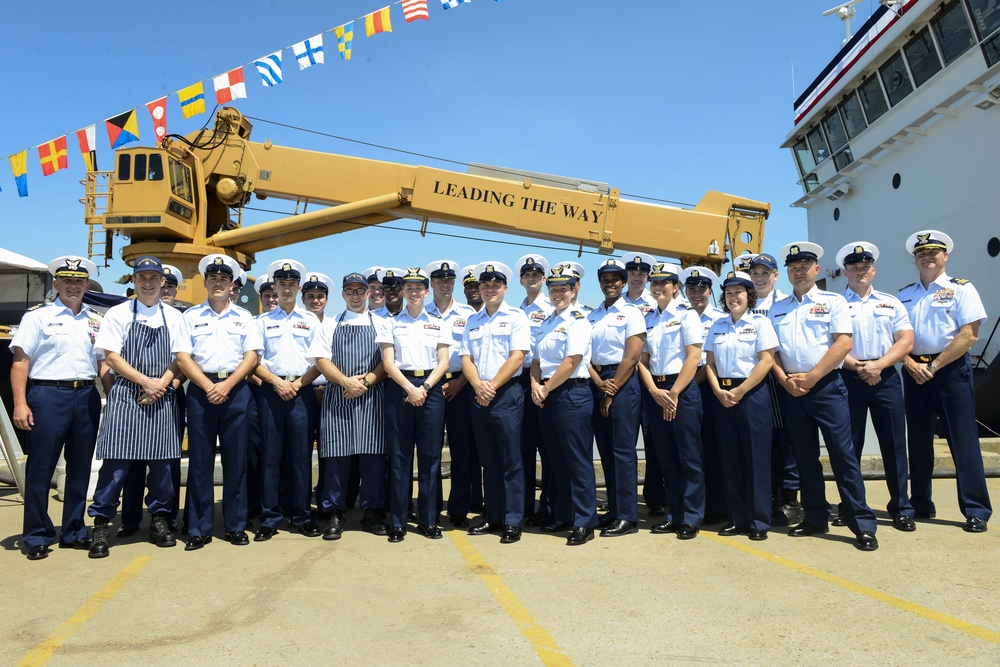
column 665, row 527
column 159, row 533
column 687, row 532
column 838, row 521
column 238, row 538
column 127, row 529
column 458, row 520
column 510, row 535
column 620, row 527
column 757, row 535
column 411, row 516
column 309, row 528
column 83, row 544
column 606, row 520
column 37, row 552
column 538, row 519
column 196, row 542
column 656, row 510
column 579, row 536
column 100, row 546
column 484, row 528
column 396, row 534
column 974, row 525
column 924, row 515
column 334, row 527
column 866, row 542
column 264, row 533
column 603, row 506
column 807, row 530
column 430, row 532
column 173, row 525
column 556, row 526
column 729, row 530
column 904, row 523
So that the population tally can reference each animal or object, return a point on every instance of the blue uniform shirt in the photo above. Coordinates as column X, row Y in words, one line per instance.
column 736, row 345
column 490, row 340
column 455, row 320
column 60, row 345
column 219, row 340
column 805, row 329
column 668, row 333
column 876, row 319
column 537, row 312
column 938, row 312
column 287, row 337
column 611, row 328
column 562, row 335
column 414, row 340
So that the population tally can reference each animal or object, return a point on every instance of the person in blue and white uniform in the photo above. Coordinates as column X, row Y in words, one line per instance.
column 493, row 347
column 286, row 404
column 415, row 355
column 559, row 379
column 54, row 349
column 376, row 298
column 739, row 351
column 882, row 337
column 814, row 335
column 618, row 336
column 390, row 281
column 140, row 340
column 946, row 314
column 667, row 367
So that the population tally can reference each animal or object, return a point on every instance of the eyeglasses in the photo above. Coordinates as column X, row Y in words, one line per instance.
column 392, row 288
column 357, row 291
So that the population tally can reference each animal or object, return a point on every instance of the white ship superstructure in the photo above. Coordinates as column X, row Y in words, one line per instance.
column 901, row 132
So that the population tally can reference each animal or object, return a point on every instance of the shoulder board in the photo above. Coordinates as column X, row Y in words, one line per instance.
column 396, row 313
column 905, row 286
column 36, row 307
column 578, row 315
column 960, row 281
column 437, row 315
column 92, row 311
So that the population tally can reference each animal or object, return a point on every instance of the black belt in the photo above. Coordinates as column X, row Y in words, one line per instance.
column 416, row 374
column 731, row 382
column 572, row 382
column 452, row 376
column 221, row 375
column 605, row 367
column 288, row 378
column 665, row 378
column 63, row 384
column 925, row 358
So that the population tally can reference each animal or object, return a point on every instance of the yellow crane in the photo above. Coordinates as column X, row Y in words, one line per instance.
column 177, row 202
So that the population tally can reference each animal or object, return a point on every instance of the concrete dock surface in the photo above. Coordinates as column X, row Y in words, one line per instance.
column 925, row 598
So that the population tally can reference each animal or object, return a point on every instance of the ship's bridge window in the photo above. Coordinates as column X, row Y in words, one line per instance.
column 817, row 142
column 124, row 166
column 922, row 57
column 803, row 156
column 986, row 15
column 872, row 99
column 836, row 136
column 992, row 49
column 896, row 79
column 854, row 118
column 952, row 31
column 180, row 180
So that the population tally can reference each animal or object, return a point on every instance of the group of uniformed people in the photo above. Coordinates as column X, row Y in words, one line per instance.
column 730, row 401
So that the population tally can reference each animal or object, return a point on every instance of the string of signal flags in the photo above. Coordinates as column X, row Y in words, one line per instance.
column 123, row 128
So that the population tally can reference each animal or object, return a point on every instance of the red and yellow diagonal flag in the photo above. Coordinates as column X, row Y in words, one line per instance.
column 377, row 22
column 52, row 155
column 88, row 140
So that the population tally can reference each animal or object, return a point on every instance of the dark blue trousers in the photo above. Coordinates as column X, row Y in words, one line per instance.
column 406, row 426
column 784, row 471
column 226, row 423
column 111, row 479
column 497, row 429
column 617, row 435
column 464, row 459
column 531, row 442
column 334, row 488
column 678, row 449
column 715, row 482
column 885, row 402
column 825, row 408
column 566, row 425
column 652, row 485
column 285, row 428
column 744, row 438
column 255, row 474
column 948, row 395
column 65, row 421
column 135, row 480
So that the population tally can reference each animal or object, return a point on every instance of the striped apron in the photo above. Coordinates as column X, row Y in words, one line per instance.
column 130, row 430
column 351, row 426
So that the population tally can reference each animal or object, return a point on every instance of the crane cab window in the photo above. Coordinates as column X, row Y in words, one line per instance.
column 140, row 166
column 124, row 166
column 180, row 180
column 155, row 167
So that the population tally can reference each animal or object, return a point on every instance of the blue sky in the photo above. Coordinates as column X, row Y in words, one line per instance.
column 659, row 98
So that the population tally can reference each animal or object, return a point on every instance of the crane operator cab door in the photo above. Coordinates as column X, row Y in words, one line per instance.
column 153, row 196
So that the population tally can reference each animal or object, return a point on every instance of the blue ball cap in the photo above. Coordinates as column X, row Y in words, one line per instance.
column 765, row 259
column 147, row 263
column 354, row 278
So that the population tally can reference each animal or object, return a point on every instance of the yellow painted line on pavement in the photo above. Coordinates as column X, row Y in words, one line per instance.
column 47, row 648
column 971, row 629
column 546, row 648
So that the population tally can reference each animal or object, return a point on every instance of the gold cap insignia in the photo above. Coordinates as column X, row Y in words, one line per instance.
column 695, row 273
column 444, row 266
column 314, row 279
column 167, row 271
column 794, row 250
column 658, row 268
column 218, row 260
column 923, row 238
column 637, row 260
column 389, row 274
column 73, row 264
column 489, row 268
column 286, row 267
column 731, row 274
column 558, row 270
column 858, row 249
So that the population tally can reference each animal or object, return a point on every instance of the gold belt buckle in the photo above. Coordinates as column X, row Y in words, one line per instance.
column 448, row 376
column 419, row 374
column 726, row 382
column 291, row 378
column 222, row 375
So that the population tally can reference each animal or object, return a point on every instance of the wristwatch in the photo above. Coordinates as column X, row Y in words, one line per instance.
column 365, row 382
column 930, row 367
column 426, row 386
